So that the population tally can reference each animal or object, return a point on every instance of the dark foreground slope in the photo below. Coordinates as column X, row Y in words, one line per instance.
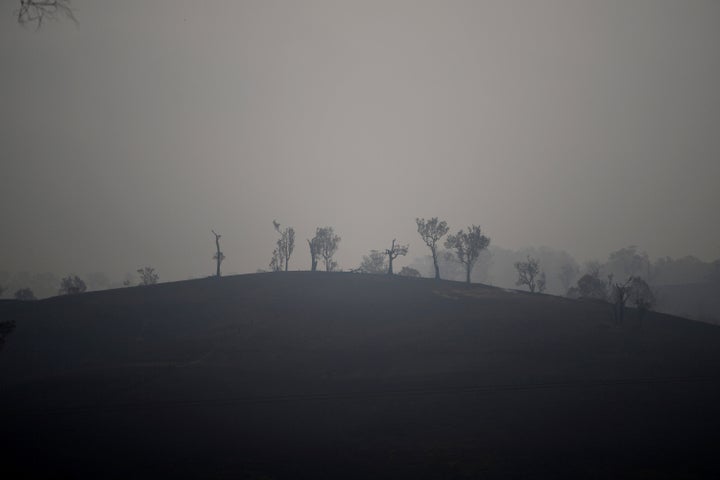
column 312, row 375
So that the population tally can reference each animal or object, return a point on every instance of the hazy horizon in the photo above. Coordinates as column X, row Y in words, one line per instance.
column 581, row 126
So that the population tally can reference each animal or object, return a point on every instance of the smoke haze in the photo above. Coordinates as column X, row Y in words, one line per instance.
column 585, row 126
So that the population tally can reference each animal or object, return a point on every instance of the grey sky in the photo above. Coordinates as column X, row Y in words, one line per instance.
column 582, row 125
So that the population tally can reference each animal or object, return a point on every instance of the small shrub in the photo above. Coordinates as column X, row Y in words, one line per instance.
column 148, row 276
column 409, row 272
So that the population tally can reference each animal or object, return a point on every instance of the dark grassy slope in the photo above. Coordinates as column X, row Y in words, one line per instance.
column 700, row 301
column 341, row 375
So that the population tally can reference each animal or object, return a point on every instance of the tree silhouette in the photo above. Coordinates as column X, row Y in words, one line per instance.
column 529, row 274
column 431, row 231
column 148, row 276
column 285, row 247
column 373, row 263
column 314, row 245
column 393, row 252
column 589, row 286
column 72, row 285
column 620, row 295
column 37, row 11
column 219, row 256
column 326, row 243
column 467, row 246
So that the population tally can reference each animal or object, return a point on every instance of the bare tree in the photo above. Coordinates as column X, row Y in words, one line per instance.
column 326, row 243
column 393, row 252
column 636, row 290
column 288, row 244
column 467, row 246
column 276, row 262
column 431, row 232
column 37, row 11
column 620, row 295
column 529, row 274
column 373, row 263
column 219, row 256
column 148, row 276
column 314, row 245
column 285, row 247
column 71, row 285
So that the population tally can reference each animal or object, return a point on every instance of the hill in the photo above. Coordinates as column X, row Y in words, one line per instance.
column 316, row 375
column 699, row 301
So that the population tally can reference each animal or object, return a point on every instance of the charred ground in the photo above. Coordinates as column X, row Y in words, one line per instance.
column 317, row 375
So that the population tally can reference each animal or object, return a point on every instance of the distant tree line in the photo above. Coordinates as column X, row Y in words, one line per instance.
column 465, row 246
column 633, row 289
column 625, row 279
column 322, row 246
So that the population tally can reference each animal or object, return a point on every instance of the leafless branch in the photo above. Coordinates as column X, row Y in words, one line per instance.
column 37, row 11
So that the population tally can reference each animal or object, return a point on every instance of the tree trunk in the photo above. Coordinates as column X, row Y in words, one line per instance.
column 468, row 269
column 217, row 244
column 435, row 264
column 313, row 257
column 390, row 257
column 218, row 254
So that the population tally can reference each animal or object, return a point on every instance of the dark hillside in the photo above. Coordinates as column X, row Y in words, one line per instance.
column 314, row 375
column 699, row 301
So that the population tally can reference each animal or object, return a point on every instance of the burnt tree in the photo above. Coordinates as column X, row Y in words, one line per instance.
column 467, row 246
column 431, row 231
column 327, row 244
column 219, row 256
column 314, row 253
column 393, row 252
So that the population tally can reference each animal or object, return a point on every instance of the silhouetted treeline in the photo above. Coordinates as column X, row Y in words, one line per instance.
column 684, row 286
